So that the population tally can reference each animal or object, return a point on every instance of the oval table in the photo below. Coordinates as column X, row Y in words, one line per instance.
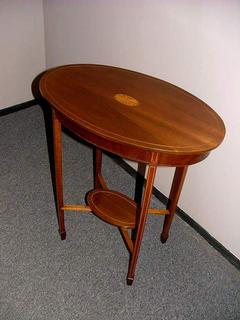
column 136, row 117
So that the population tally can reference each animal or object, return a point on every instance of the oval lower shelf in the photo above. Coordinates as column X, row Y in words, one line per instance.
column 113, row 207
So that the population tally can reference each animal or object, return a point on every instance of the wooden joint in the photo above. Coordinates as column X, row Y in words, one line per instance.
column 85, row 208
column 158, row 211
column 127, row 239
column 102, row 182
column 80, row 207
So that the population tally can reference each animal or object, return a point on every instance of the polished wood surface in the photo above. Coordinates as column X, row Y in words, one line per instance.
column 113, row 207
column 165, row 119
column 142, row 217
column 176, row 188
column 137, row 117
column 85, row 208
column 57, row 138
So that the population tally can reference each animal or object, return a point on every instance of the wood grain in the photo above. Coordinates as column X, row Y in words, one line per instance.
column 137, row 117
column 167, row 119
column 113, row 207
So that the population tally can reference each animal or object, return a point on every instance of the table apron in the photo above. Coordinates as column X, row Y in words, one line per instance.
column 128, row 151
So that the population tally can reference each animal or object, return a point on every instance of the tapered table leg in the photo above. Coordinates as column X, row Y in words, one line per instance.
column 97, row 155
column 141, row 222
column 57, row 140
column 140, row 179
column 177, row 184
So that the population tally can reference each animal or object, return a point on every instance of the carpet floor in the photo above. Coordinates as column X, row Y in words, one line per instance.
column 84, row 277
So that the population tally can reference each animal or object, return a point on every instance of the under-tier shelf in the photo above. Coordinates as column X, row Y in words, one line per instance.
column 113, row 207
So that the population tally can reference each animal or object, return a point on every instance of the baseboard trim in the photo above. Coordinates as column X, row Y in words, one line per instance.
column 17, row 107
column 185, row 217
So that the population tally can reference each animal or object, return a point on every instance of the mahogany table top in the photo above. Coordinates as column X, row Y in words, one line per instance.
column 133, row 109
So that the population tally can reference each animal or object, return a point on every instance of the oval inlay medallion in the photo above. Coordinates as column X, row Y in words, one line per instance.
column 125, row 99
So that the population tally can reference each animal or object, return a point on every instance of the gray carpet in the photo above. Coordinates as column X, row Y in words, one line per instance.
column 84, row 277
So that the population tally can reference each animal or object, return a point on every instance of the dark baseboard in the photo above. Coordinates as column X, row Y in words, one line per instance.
column 17, row 107
column 185, row 217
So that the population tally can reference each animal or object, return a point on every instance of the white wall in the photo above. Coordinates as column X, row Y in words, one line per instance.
column 194, row 44
column 22, row 53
